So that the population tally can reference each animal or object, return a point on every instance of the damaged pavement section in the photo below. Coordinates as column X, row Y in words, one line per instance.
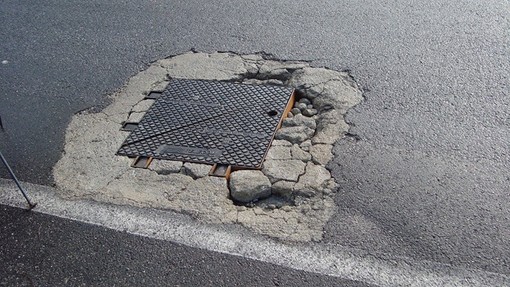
column 290, row 198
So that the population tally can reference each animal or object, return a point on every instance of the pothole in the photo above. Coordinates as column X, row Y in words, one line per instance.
column 290, row 198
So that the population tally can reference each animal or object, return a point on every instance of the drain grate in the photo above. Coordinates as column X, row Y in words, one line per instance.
column 210, row 122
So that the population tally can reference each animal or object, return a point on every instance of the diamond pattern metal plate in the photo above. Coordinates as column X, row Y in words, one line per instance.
column 210, row 122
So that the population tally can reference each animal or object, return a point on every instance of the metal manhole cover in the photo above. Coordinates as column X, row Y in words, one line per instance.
column 210, row 122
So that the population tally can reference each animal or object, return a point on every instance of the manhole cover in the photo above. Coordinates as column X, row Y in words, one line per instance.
column 210, row 122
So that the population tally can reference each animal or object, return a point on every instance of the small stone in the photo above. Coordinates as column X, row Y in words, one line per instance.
column 301, row 106
column 295, row 111
column 305, row 101
column 321, row 153
column 283, row 188
column 279, row 152
column 295, row 134
column 241, row 208
column 309, row 106
column 300, row 120
column 290, row 115
column 165, row 166
column 288, row 170
column 309, row 112
column 299, row 154
column 271, row 206
column 249, row 185
column 196, row 170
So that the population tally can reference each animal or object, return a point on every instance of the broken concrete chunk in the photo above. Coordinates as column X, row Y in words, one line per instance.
column 283, row 188
column 251, row 68
column 329, row 133
column 321, row 153
column 289, row 170
column 279, row 152
column 165, row 166
column 309, row 112
column 331, row 116
column 294, row 134
column 337, row 94
column 249, row 185
column 300, row 120
column 196, row 170
column 313, row 181
column 280, row 74
column 299, row 154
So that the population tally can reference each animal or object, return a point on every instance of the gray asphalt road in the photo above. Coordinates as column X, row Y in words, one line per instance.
column 42, row 250
column 427, row 179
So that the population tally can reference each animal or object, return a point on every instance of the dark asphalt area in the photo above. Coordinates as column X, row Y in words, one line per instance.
column 42, row 250
column 428, row 178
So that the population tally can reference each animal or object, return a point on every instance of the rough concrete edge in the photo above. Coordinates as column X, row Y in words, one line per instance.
column 324, row 259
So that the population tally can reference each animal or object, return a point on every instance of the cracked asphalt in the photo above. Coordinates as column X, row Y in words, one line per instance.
column 428, row 178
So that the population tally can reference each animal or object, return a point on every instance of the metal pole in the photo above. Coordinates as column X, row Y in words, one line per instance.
column 30, row 204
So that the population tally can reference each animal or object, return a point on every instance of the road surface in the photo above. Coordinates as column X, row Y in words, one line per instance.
column 425, row 173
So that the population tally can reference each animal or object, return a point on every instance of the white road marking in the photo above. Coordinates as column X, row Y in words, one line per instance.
column 319, row 258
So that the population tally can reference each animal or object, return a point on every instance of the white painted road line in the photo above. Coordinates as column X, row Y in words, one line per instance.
column 324, row 259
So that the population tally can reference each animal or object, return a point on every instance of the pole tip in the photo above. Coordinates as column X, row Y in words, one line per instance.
column 31, row 206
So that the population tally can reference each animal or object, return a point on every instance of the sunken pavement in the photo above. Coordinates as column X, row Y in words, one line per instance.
column 287, row 190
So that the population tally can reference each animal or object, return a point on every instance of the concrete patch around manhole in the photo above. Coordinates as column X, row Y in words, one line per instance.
column 292, row 196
